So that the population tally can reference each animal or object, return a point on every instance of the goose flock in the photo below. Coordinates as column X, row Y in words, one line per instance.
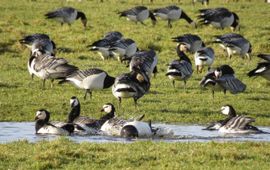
column 142, row 68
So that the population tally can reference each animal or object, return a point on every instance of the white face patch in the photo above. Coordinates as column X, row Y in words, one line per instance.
column 41, row 115
column 75, row 102
column 107, row 108
column 218, row 73
column 225, row 110
column 260, row 70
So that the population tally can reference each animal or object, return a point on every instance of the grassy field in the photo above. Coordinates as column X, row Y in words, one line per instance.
column 20, row 99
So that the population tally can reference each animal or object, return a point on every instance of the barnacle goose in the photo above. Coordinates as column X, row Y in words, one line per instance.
column 219, row 17
column 234, row 44
column 263, row 68
column 146, row 60
column 43, row 126
column 204, row 57
column 40, row 42
column 237, row 123
column 90, row 80
column 133, row 84
column 124, row 47
column 49, row 67
column 189, row 42
column 84, row 124
column 67, row 15
column 180, row 69
column 103, row 45
column 222, row 79
column 138, row 14
column 172, row 13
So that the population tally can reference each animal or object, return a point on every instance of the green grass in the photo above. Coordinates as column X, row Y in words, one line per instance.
column 64, row 154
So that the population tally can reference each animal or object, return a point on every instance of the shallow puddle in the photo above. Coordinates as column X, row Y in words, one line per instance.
column 13, row 131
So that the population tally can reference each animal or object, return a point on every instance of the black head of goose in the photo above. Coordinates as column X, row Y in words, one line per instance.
column 219, row 17
column 204, row 57
column 109, row 109
column 263, row 68
column 146, row 60
column 138, row 14
column 124, row 47
column 222, row 79
column 234, row 44
column 102, row 46
column 180, row 69
column 90, row 80
column 43, row 126
column 239, row 124
column 189, row 42
column 172, row 13
column 67, row 15
column 134, row 84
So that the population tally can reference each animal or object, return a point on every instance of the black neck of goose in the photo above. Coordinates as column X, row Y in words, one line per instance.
column 235, row 21
column 106, row 117
column 81, row 15
column 232, row 112
column 74, row 113
column 181, row 54
column 39, row 124
column 108, row 82
column 186, row 17
column 152, row 17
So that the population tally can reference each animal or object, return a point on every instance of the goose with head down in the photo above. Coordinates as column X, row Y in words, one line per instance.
column 189, row 42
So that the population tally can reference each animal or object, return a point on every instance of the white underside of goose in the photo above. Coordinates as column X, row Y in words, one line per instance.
column 48, row 129
column 203, row 61
column 144, row 130
column 122, row 94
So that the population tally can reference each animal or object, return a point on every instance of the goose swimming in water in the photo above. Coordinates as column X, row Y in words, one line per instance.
column 67, row 15
column 234, row 44
column 138, row 14
column 90, row 80
column 180, row 69
column 172, row 13
column 43, row 126
column 222, row 79
column 263, row 68
column 219, row 17
column 189, row 42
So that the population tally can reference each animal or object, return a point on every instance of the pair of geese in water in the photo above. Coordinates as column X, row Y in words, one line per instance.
column 111, row 125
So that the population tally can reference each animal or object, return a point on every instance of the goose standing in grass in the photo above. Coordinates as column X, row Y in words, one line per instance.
column 189, row 42
column 49, row 67
column 134, row 84
column 172, row 13
column 103, row 45
column 40, row 42
column 234, row 44
column 219, row 17
column 67, row 15
column 263, row 68
column 138, row 14
column 222, row 79
column 146, row 60
column 43, row 126
column 87, row 125
column 237, row 123
column 181, row 69
column 204, row 57
column 204, row 2
column 90, row 80
column 124, row 47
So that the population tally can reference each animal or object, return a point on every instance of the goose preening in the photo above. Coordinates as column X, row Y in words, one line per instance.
column 181, row 69
column 87, row 125
column 219, row 17
column 90, row 80
column 39, row 42
column 67, row 15
column 222, row 79
column 172, row 13
column 263, row 68
column 43, row 126
column 146, row 60
column 234, row 123
column 49, row 67
column 103, row 45
column 234, row 44
column 189, row 42
column 138, row 14
column 204, row 57
column 131, row 85
column 124, row 47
